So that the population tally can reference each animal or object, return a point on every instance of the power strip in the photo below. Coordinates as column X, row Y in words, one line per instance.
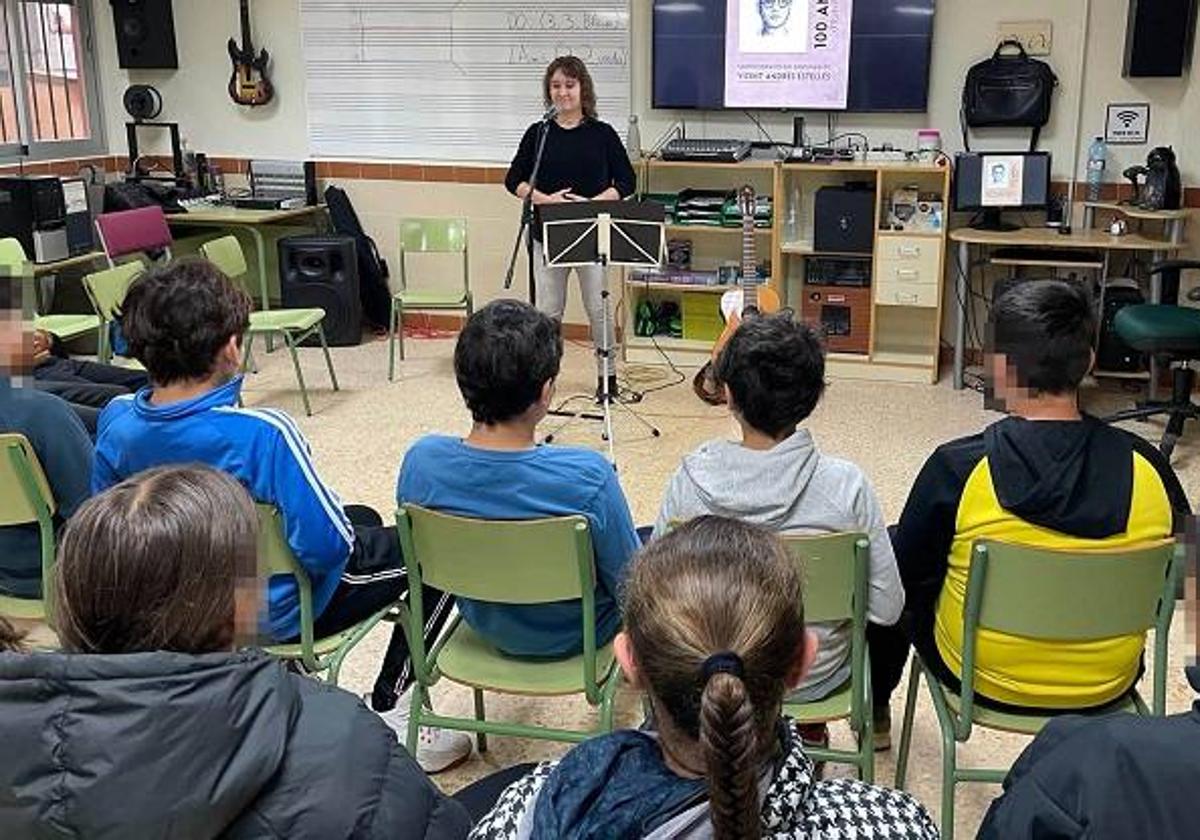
column 886, row 156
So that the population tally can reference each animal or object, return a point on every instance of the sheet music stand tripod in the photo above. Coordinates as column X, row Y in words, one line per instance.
column 623, row 233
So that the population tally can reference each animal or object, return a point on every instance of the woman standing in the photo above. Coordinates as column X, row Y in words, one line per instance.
column 583, row 160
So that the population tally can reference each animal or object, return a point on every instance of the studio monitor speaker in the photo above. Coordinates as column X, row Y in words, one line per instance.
column 1158, row 37
column 322, row 272
column 145, row 34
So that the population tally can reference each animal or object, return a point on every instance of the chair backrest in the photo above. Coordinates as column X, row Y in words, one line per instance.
column 12, row 255
column 25, row 494
column 131, row 231
column 433, row 235
column 106, row 289
column 275, row 557
column 226, row 254
column 507, row 562
column 834, row 568
column 1045, row 593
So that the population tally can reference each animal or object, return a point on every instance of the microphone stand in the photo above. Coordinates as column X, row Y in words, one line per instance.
column 526, row 228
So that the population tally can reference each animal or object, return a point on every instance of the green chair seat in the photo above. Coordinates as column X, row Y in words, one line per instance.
column 468, row 659
column 431, row 299
column 66, row 326
column 1154, row 328
column 836, row 706
column 24, row 609
column 1031, row 724
column 320, row 647
column 277, row 320
column 26, row 499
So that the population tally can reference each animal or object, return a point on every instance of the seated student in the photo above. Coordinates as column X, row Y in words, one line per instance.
column 157, row 725
column 1111, row 776
column 505, row 361
column 184, row 322
column 714, row 635
column 1048, row 476
column 57, row 436
column 87, row 386
column 773, row 372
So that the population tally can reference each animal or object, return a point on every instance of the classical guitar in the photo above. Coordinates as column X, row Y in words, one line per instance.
column 738, row 304
column 248, row 83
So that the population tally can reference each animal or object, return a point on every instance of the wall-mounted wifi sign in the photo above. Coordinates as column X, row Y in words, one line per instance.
column 1127, row 123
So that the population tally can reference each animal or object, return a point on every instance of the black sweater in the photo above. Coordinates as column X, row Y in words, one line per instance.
column 587, row 159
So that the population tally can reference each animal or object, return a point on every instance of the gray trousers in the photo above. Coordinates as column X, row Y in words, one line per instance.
column 550, row 283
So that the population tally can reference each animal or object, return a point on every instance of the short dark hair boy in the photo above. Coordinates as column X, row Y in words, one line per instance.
column 1044, row 330
column 774, row 368
column 177, row 318
column 506, row 353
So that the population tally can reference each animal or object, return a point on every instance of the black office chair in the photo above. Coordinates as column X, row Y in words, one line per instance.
column 1171, row 333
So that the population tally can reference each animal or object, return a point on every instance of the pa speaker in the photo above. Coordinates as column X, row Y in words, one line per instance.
column 145, row 34
column 1158, row 37
column 322, row 272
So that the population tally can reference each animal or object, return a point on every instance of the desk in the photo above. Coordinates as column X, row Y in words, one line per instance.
column 1087, row 239
column 251, row 221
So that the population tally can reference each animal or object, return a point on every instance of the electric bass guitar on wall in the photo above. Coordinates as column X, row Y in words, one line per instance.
column 738, row 304
column 248, row 84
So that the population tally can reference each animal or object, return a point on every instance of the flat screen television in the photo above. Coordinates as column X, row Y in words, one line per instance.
column 890, row 42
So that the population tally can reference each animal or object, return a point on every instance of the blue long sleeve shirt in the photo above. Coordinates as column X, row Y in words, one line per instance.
column 447, row 474
column 64, row 450
column 261, row 448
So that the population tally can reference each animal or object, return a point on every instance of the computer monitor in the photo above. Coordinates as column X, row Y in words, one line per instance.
column 994, row 181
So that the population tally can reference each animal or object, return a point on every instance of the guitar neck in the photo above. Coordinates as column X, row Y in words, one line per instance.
column 749, row 266
column 246, row 45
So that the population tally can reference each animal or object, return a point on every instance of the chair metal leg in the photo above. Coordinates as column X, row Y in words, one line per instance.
column 328, row 360
column 392, row 342
column 248, row 355
column 910, row 707
column 291, row 345
column 949, row 781
column 414, row 716
column 866, row 739
column 480, row 737
column 400, row 329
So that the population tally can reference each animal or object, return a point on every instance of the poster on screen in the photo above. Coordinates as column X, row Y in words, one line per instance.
column 787, row 53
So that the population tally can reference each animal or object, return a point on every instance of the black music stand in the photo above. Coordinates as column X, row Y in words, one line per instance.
column 624, row 233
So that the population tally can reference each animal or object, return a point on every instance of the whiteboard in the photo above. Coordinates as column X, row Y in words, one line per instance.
column 446, row 80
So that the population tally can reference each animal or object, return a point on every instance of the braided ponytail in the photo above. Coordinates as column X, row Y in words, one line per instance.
column 729, row 740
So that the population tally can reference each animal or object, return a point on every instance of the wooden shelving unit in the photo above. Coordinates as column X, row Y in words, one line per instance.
column 905, row 321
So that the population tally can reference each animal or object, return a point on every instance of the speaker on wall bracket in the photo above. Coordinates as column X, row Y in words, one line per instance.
column 145, row 34
column 322, row 272
column 1159, row 36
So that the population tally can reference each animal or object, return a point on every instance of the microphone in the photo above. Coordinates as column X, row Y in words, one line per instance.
column 551, row 113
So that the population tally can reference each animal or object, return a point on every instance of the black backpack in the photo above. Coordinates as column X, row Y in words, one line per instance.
column 1007, row 90
column 373, row 289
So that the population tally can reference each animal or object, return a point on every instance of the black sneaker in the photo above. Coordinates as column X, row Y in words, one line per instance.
column 881, row 718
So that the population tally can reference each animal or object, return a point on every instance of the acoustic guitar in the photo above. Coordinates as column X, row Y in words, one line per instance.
column 248, row 84
column 738, row 304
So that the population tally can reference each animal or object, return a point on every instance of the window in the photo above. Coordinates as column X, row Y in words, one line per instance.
column 48, row 91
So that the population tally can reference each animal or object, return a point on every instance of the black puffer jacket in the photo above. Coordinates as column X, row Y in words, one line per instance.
column 154, row 745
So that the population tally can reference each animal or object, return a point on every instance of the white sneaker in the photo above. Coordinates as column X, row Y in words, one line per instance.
column 437, row 749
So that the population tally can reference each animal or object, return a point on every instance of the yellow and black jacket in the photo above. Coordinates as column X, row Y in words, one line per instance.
column 1054, row 484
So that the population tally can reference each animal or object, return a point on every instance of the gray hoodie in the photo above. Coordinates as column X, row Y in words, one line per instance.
column 793, row 488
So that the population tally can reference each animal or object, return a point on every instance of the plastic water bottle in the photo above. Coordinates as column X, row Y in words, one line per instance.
column 633, row 138
column 791, row 217
column 1097, row 152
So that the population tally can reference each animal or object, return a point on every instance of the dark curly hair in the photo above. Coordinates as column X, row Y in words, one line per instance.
column 572, row 68
column 178, row 317
column 505, row 353
column 774, row 366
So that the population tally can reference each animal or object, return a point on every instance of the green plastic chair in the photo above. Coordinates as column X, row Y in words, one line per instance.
column 25, row 499
column 835, row 569
column 427, row 236
column 1045, row 594
column 325, row 654
column 67, row 326
column 293, row 325
column 533, row 561
column 106, row 290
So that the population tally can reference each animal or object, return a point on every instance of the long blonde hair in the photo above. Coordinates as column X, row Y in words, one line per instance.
column 715, row 616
